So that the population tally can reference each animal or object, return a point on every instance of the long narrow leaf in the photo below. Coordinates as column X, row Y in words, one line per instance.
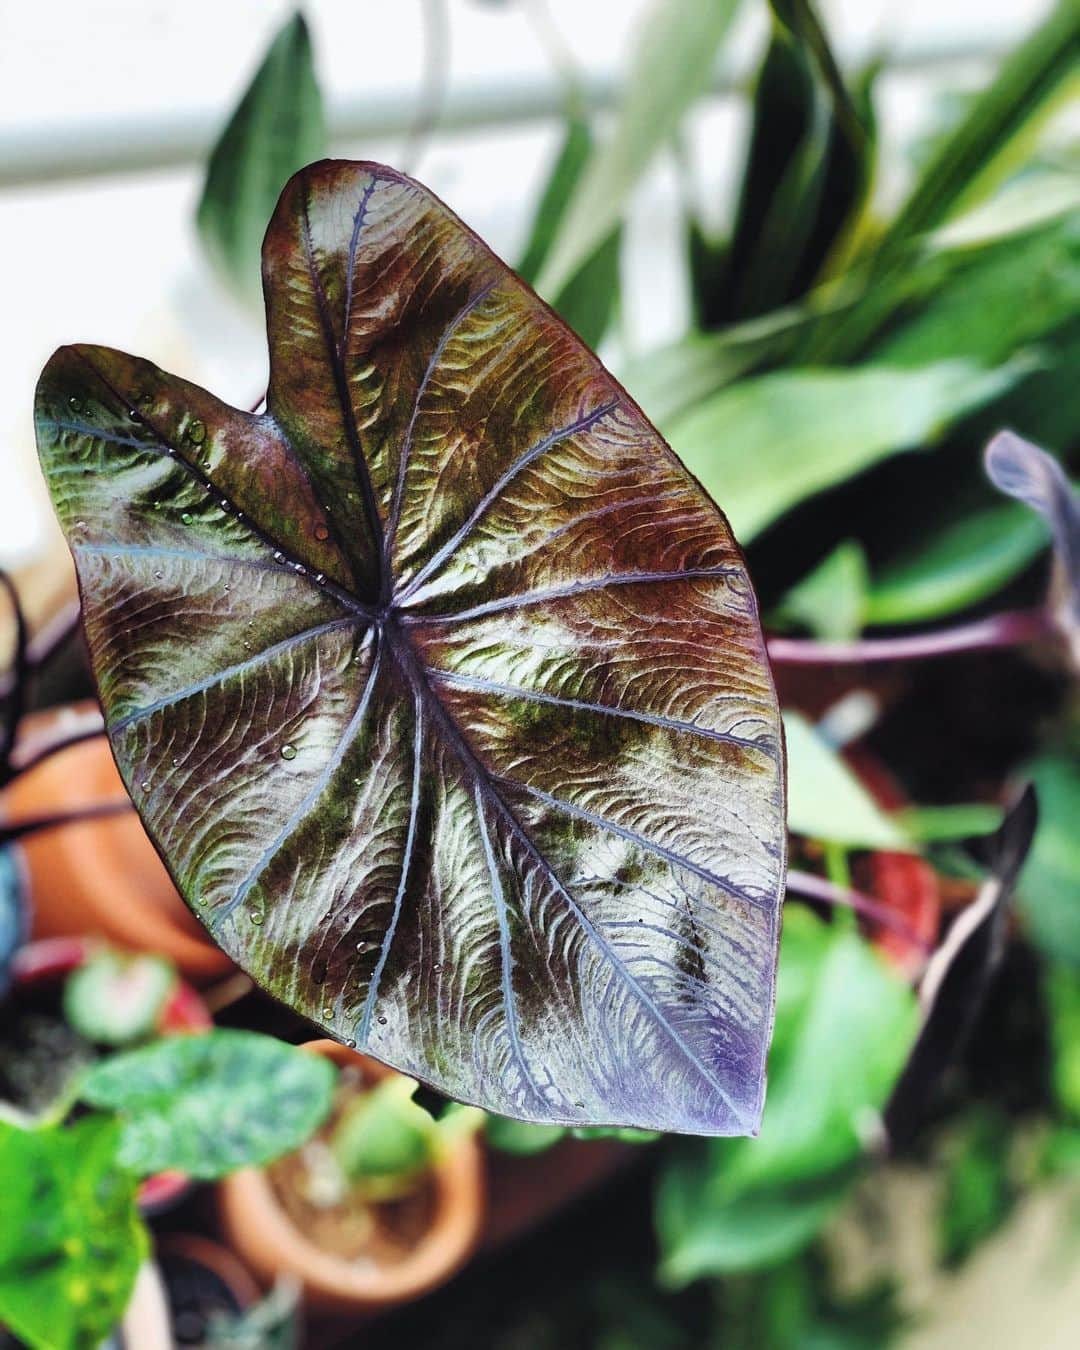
column 998, row 128
column 671, row 66
column 277, row 127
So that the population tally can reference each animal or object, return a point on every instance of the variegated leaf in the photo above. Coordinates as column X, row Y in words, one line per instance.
column 439, row 686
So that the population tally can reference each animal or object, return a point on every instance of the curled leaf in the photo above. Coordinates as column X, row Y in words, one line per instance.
column 1032, row 476
column 961, row 971
column 440, row 687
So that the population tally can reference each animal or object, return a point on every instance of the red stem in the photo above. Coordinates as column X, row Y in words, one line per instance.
column 1002, row 630
column 819, row 888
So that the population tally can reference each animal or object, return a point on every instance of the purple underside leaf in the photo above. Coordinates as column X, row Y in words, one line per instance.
column 1025, row 472
column 440, row 687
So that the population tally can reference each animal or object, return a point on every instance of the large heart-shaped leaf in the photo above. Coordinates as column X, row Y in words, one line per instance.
column 440, row 686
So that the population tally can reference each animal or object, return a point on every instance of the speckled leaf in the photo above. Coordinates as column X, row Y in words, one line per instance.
column 440, row 686
column 206, row 1105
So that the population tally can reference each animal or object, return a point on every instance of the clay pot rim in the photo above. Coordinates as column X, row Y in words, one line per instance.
column 337, row 1280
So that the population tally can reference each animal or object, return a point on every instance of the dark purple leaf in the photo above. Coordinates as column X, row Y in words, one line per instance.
column 1022, row 470
column 440, row 686
column 959, row 975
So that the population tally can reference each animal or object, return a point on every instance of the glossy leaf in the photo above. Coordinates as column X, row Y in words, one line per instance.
column 71, row 1241
column 440, row 687
column 206, row 1105
column 277, row 127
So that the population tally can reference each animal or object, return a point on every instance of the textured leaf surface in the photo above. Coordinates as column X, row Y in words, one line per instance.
column 440, row 687
column 206, row 1105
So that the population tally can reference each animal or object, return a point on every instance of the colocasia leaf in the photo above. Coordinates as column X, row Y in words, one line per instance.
column 440, row 686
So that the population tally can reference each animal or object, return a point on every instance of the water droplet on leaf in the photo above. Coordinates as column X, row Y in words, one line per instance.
column 256, row 916
column 288, row 751
column 196, row 432
column 187, row 517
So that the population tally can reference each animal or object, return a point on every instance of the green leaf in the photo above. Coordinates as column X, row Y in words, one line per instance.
column 277, row 127
column 743, row 1232
column 384, row 1139
column 440, row 687
column 115, row 998
column 519, row 1137
column 978, row 1192
column 844, row 1025
column 672, row 62
column 587, row 299
column 1061, row 983
column 206, row 1105
column 1049, row 892
column 825, row 799
column 674, row 378
column 831, row 601
column 808, row 170
column 956, row 566
column 574, row 154
column 999, row 128
column 768, row 443
column 71, row 1240
column 940, row 824
column 994, row 300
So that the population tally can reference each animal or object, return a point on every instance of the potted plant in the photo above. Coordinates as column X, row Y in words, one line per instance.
column 73, row 1242
column 381, row 1205
column 73, row 1000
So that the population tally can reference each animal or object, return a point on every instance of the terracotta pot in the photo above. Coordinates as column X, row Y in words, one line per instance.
column 45, row 964
column 99, row 877
column 268, row 1241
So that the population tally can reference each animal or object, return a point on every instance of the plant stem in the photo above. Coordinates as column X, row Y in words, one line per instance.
column 819, row 888
column 1010, row 629
column 19, row 829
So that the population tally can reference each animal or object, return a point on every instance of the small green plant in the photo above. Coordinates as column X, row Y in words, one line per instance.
column 71, row 1238
column 385, row 1141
